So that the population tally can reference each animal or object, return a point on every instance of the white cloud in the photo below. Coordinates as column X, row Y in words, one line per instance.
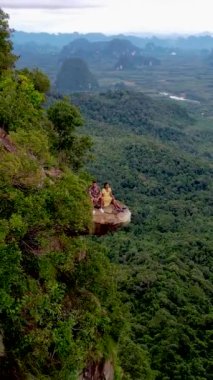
column 112, row 16
column 49, row 4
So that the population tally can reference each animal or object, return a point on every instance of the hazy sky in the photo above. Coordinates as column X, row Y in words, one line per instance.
column 110, row 16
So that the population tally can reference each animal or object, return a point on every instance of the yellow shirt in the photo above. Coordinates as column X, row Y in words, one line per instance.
column 107, row 197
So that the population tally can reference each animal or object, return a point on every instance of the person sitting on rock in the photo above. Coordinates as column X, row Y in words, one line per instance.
column 96, row 196
column 108, row 198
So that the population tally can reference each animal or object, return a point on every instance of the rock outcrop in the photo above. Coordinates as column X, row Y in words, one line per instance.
column 110, row 219
column 103, row 222
column 6, row 141
column 2, row 348
column 98, row 371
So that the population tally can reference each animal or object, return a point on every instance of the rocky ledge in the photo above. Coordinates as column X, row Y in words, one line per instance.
column 110, row 219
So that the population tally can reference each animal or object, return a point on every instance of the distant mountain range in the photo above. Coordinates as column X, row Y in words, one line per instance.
column 194, row 42
column 96, row 53
column 115, row 54
column 101, row 53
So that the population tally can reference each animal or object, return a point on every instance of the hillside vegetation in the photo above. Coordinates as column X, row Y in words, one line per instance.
column 150, row 152
column 139, row 301
column 60, row 310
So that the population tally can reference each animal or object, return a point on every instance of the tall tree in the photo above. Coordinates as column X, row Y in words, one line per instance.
column 7, row 58
column 72, row 147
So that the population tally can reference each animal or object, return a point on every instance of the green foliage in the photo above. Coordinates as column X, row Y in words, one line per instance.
column 59, row 314
column 165, row 253
column 59, row 304
column 60, row 307
column 135, row 361
column 72, row 148
column 66, row 118
column 40, row 80
column 7, row 59
column 135, row 113
column 20, row 103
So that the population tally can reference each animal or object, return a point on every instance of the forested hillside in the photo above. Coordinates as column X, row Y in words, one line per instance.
column 61, row 315
column 150, row 152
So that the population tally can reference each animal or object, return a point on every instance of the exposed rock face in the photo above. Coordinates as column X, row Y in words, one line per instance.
column 2, row 348
column 98, row 371
column 110, row 220
column 6, row 142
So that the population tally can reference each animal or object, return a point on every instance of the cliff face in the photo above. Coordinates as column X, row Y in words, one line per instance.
column 98, row 371
column 103, row 222
column 2, row 348
column 50, row 213
column 6, row 142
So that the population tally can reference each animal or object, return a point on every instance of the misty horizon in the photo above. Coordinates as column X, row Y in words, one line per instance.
column 135, row 17
column 135, row 34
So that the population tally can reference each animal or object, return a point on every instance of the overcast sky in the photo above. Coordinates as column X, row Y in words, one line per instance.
column 110, row 16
